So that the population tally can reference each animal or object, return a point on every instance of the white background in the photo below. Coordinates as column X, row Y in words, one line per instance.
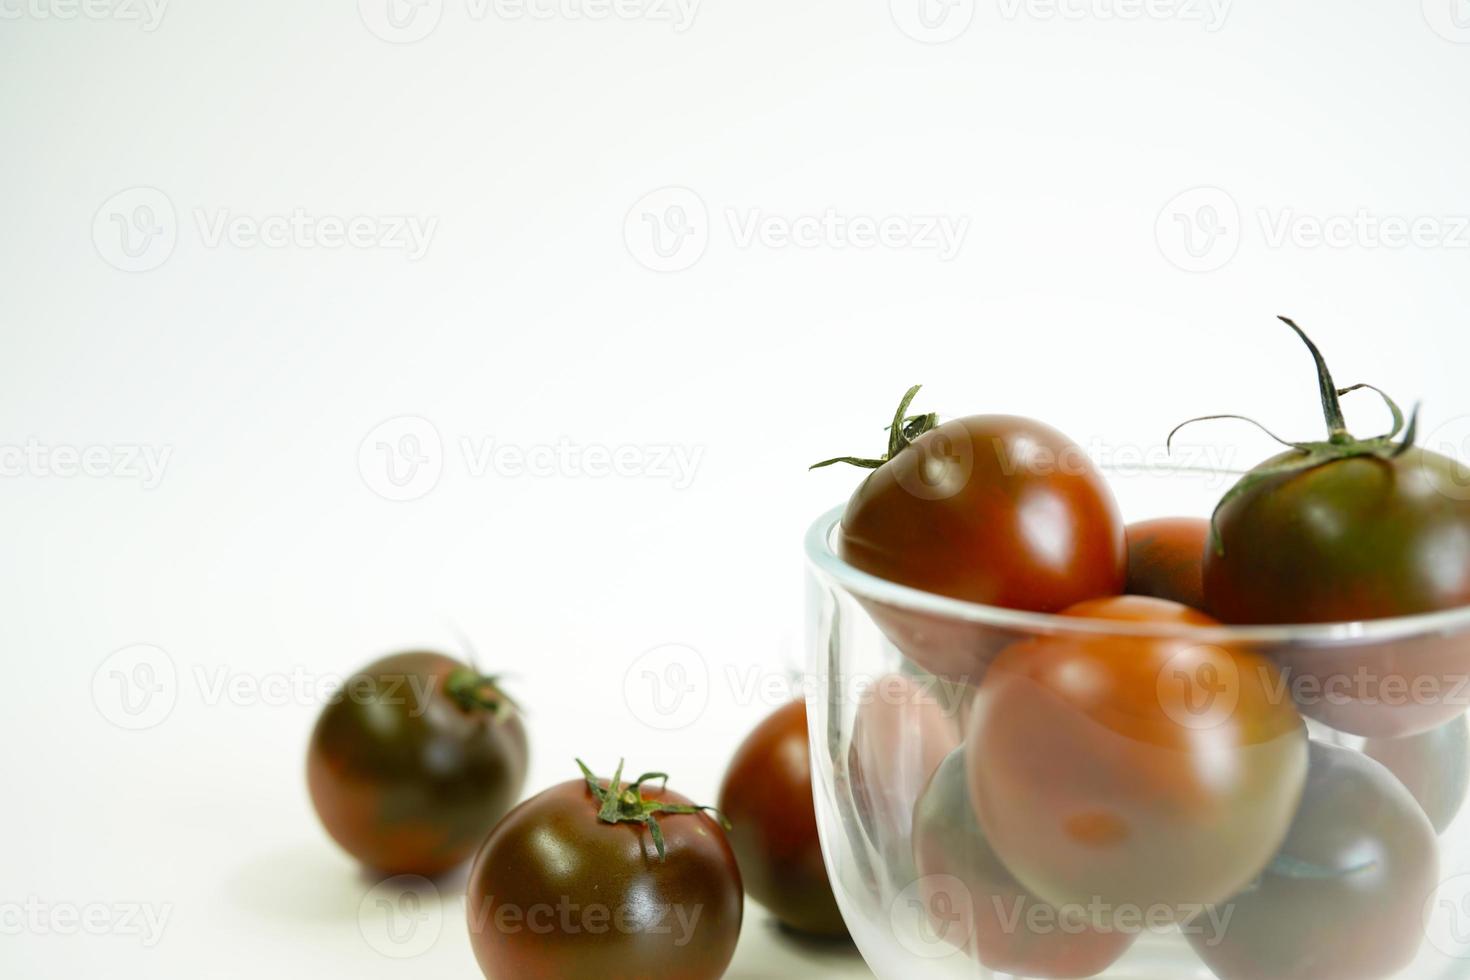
column 1085, row 290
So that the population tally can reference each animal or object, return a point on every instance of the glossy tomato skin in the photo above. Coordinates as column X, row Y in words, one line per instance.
column 1166, row 559
column 1346, row 897
column 767, row 798
column 556, row 894
column 993, row 509
column 403, row 776
column 1134, row 772
column 1354, row 539
column 1009, row 930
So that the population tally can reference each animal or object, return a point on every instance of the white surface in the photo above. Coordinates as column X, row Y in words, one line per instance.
column 534, row 150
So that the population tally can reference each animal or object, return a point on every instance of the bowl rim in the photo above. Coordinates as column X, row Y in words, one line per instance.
column 823, row 557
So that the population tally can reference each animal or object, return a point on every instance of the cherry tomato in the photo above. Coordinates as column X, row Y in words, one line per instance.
column 1434, row 767
column 1166, row 559
column 1345, row 898
column 413, row 762
column 767, row 798
column 1140, row 773
column 1007, row 928
column 992, row 509
column 605, row 880
column 1341, row 530
column 903, row 729
column 1344, row 530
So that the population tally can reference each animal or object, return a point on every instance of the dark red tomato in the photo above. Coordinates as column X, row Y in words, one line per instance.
column 993, row 509
column 1166, row 559
column 1007, row 928
column 767, row 798
column 1139, row 773
column 582, row 884
column 1345, row 898
column 1341, row 530
column 1434, row 767
column 413, row 762
column 1344, row 530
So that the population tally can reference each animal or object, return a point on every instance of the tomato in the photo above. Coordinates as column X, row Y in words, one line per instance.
column 1344, row 530
column 1433, row 766
column 903, row 729
column 580, row 883
column 1005, row 927
column 1144, row 773
column 1341, row 530
column 413, row 762
column 992, row 509
column 767, row 798
column 1166, row 559
column 1346, row 896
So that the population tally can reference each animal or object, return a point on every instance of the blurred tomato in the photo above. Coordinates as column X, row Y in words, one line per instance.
column 767, row 798
column 413, row 762
column 1434, row 767
column 1006, row 928
column 1134, row 772
column 1345, row 898
column 904, row 728
column 1166, row 559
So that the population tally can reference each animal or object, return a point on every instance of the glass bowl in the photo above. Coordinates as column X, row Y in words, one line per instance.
column 1263, row 803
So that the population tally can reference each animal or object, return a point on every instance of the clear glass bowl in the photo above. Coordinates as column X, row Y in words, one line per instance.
column 1364, row 874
